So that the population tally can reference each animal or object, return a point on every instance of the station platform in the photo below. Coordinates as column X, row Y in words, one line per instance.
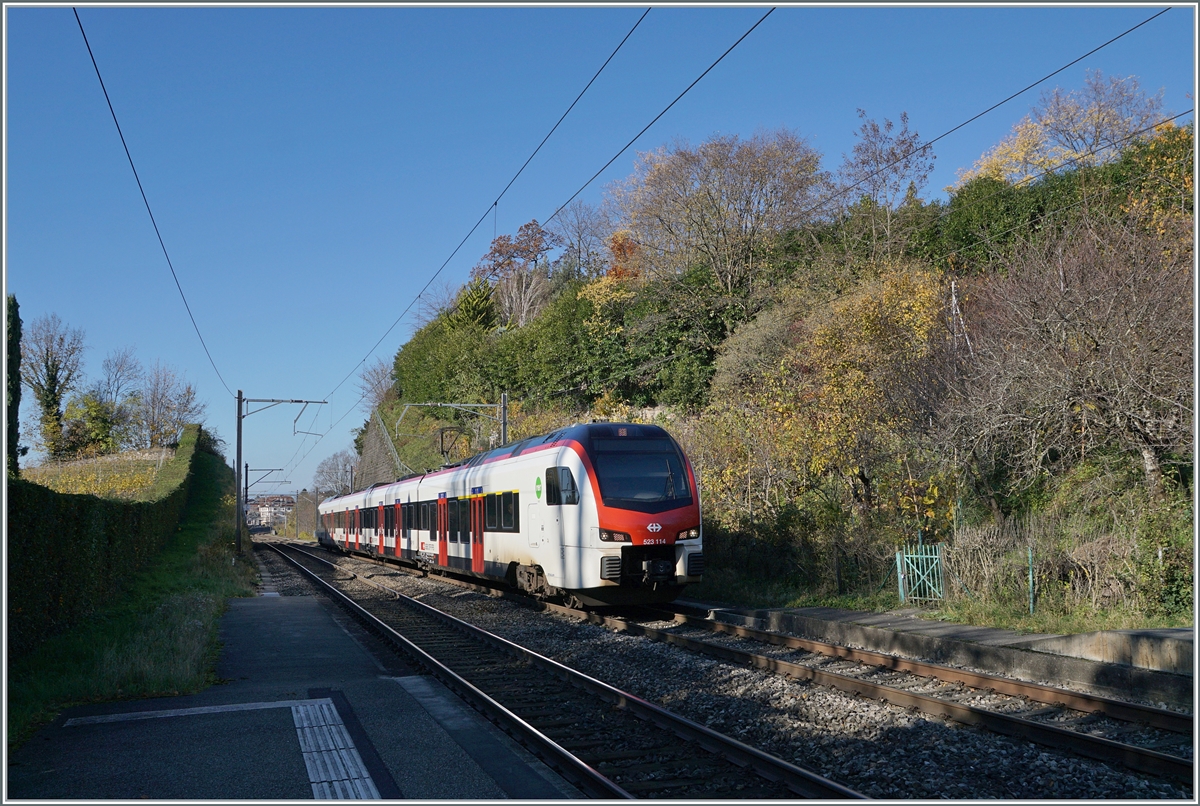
column 1156, row 665
column 308, row 707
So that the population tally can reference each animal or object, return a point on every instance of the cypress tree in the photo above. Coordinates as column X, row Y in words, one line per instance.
column 14, row 383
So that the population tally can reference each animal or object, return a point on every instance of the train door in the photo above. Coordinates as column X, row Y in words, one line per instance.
column 397, row 528
column 357, row 527
column 381, row 529
column 477, row 534
column 443, row 531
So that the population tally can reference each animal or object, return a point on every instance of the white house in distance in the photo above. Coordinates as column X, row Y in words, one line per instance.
column 269, row 510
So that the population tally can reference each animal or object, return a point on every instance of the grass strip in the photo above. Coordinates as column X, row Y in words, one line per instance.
column 159, row 638
column 731, row 588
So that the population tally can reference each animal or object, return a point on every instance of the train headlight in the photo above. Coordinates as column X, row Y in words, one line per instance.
column 609, row 536
column 689, row 534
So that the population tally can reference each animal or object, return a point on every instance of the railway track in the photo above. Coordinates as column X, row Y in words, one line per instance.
column 1141, row 738
column 1080, row 723
column 609, row 743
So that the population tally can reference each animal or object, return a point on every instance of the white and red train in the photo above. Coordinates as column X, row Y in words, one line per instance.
column 601, row 513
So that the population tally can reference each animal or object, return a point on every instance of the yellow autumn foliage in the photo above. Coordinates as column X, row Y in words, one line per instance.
column 124, row 476
column 608, row 295
column 837, row 390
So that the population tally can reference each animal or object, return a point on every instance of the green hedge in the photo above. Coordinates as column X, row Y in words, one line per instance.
column 67, row 554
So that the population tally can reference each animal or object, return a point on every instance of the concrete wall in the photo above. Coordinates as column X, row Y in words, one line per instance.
column 376, row 464
column 1106, row 679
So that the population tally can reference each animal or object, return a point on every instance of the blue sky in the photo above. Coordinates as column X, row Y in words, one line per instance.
column 311, row 168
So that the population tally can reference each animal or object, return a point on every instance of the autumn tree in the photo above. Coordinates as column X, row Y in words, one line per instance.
column 119, row 389
column 90, row 426
column 1085, row 127
column 121, row 374
column 375, row 383
column 884, row 174
column 520, row 269
column 51, row 367
column 13, row 387
column 333, row 473
column 583, row 231
column 166, row 403
column 1083, row 341
column 718, row 206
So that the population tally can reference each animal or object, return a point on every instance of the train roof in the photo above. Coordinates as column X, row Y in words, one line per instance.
column 582, row 433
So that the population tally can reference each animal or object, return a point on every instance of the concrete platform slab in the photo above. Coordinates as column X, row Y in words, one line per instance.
column 306, row 710
column 1045, row 658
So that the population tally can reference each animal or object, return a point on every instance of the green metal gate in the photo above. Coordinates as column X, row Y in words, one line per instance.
column 920, row 571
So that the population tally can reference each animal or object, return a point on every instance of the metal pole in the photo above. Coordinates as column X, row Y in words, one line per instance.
column 246, row 488
column 1031, row 580
column 504, row 418
column 238, row 469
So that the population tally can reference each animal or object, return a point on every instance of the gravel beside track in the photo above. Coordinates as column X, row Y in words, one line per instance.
column 880, row 750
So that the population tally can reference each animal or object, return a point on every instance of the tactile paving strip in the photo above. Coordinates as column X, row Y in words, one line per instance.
column 335, row 769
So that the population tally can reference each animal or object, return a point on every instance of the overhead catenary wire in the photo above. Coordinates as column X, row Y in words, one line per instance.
column 644, row 367
column 146, row 201
column 991, row 108
column 823, row 202
column 659, row 115
column 492, row 208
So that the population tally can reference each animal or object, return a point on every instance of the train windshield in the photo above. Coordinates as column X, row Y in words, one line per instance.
column 647, row 475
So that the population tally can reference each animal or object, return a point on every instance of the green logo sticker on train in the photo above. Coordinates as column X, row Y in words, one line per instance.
column 537, row 487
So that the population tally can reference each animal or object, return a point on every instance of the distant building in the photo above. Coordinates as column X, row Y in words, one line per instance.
column 269, row 510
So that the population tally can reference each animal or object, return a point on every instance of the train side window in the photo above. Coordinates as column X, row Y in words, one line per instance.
column 490, row 519
column 509, row 502
column 566, row 482
column 452, row 513
column 560, row 486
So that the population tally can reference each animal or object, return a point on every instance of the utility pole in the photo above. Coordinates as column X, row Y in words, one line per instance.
column 316, row 511
column 504, row 418
column 238, row 515
column 243, row 404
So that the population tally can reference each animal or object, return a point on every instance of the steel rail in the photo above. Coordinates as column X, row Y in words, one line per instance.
column 1131, row 756
column 574, row 770
column 1150, row 716
column 1051, row 695
column 802, row 781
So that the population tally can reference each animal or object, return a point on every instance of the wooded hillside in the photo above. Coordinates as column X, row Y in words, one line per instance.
column 851, row 367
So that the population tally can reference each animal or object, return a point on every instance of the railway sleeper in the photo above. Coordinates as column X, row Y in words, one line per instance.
column 582, row 744
column 609, row 768
column 1049, row 709
column 561, row 722
column 659, row 784
column 619, row 755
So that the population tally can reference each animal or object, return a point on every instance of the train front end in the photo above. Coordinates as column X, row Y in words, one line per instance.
column 646, row 542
